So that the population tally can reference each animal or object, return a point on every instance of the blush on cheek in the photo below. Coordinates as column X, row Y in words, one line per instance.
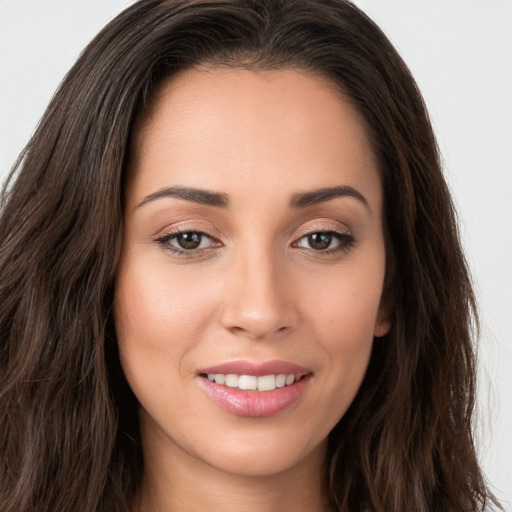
column 161, row 316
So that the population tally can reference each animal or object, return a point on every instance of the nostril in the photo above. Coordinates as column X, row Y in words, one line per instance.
column 256, row 331
column 258, row 321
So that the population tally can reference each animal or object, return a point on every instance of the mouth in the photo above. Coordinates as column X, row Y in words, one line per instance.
column 253, row 382
column 255, row 390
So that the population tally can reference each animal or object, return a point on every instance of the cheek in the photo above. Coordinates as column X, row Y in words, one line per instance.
column 153, row 306
column 343, row 317
column 345, row 337
column 159, row 319
column 345, row 308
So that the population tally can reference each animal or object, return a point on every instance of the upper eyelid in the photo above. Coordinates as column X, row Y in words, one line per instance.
column 325, row 226
column 315, row 229
column 174, row 234
column 341, row 235
column 187, row 228
column 167, row 236
column 308, row 227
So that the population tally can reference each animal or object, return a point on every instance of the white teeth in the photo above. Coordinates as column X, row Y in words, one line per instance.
column 267, row 383
column 251, row 382
column 220, row 378
column 280, row 381
column 248, row 382
column 232, row 380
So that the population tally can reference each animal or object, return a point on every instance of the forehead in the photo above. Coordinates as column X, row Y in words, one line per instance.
column 216, row 124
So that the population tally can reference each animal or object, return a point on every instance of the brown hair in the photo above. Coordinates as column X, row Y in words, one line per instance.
column 69, row 437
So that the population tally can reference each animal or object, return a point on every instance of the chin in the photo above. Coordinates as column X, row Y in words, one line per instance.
column 263, row 455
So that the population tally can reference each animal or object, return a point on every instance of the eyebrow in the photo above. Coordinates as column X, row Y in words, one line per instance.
column 220, row 200
column 195, row 195
column 326, row 194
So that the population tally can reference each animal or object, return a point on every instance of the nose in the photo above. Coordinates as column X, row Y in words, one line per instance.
column 259, row 301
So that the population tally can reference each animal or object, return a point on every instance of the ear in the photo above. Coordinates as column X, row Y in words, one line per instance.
column 382, row 327
column 383, row 322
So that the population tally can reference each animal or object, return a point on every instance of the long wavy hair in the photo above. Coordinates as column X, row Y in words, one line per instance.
column 69, row 438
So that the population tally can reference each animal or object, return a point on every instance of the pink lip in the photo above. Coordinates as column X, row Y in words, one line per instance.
column 255, row 403
column 259, row 369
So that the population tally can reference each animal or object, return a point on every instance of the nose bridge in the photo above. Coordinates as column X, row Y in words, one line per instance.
column 258, row 303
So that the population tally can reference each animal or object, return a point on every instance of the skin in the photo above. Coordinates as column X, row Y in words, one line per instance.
column 256, row 289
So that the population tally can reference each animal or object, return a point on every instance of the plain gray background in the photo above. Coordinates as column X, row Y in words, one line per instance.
column 460, row 52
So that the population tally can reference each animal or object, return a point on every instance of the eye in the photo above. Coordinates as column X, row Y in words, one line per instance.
column 186, row 241
column 325, row 241
column 318, row 241
column 190, row 240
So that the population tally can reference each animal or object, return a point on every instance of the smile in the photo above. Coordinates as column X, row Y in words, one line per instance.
column 253, row 382
column 253, row 390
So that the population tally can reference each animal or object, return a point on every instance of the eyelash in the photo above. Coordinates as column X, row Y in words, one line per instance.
column 346, row 242
column 164, row 242
column 345, row 239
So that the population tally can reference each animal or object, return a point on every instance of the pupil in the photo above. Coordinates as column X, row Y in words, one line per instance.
column 190, row 240
column 320, row 240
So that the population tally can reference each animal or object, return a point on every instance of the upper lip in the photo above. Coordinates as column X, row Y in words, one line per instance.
column 258, row 369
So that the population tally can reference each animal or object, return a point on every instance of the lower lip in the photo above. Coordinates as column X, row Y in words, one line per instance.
column 254, row 404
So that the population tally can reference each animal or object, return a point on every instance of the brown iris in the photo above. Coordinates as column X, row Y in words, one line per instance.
column 190, row 240
column 320, row 241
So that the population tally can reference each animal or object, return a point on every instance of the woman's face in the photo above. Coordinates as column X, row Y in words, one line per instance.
column 253, row 258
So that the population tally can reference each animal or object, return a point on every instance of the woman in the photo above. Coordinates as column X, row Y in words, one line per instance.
column 231, row 276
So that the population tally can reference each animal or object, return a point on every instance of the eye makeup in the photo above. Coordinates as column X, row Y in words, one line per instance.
column 189, row 242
